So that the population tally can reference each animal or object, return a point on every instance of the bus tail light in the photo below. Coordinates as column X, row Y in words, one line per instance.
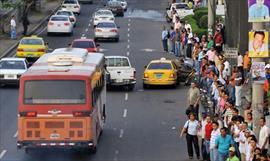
column 28, row 114
column 81, row 113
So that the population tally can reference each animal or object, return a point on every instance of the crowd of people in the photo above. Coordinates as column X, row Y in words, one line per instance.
column 227, row 133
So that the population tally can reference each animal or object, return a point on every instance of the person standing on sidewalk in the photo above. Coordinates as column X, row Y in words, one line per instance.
column 214, row 135
column 263, row 136
column 177, row 42
column 13, row 27
column 194, row 98
column 172, row 40
column 238, row 89
column 207, row 136
column 164, row 37
column 191, row 129
column 232, row 156
column 223, row 143
column 25, row 23
column 240, row 61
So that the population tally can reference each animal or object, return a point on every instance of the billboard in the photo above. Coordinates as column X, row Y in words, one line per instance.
column 258, row 44
column 258, row 10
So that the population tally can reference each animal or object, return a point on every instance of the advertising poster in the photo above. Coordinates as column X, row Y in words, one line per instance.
column 258, row 10
column 258, row 44
column 258, row 71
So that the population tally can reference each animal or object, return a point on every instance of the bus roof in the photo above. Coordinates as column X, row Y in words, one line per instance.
column 66, row 61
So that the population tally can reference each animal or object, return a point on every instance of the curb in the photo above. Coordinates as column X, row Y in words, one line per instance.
column 31, row 32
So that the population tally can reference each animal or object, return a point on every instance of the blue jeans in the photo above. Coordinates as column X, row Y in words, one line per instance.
column 177, row 48
column 165, row 44
column 213, row 154
column 13, row 33
column 222, row 156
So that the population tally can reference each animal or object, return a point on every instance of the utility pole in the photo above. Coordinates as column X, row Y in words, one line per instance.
column 257, row 91
column 211, row 15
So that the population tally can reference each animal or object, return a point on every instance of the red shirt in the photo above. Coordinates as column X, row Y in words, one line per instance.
column 208, row 130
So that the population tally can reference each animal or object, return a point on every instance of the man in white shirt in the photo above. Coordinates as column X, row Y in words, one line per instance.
column 263, row 136
column 13, row 27
column 214, row 135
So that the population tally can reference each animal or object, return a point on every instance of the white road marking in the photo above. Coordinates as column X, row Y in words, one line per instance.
column 126, row 96
column 125, row 113
column 128, row 35
column 128, row 24
column 86, row 30
column 91, row 20
column 140, row 90
column 173, row 128
column 128, row 29
column 121, row 133
column 89, row 25
column 116, row 152
column 101, row 49
column 42, row 30
column 16, row 134
column 148, row 50
column 128, row 40
column 128, row 46
column 128, row 53
column 2, row 154
column 129, row 20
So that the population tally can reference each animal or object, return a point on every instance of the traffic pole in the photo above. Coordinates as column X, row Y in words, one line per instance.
column 257, row 91
column 211, row 16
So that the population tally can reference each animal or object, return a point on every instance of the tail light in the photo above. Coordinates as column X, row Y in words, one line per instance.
column 134, row 75
column 66, row 23
column 76, row 6
column 98, row 30
column 146, row 75
column 51, row 23
column 28, row 114
column 20, row 50
column 113, row 30
column 81, row 113
column 41, row 50
column 172, row 75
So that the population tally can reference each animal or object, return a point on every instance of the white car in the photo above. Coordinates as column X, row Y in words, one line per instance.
column 60, row 24
column 120, row 71
column 72, row 5
column 11, row 70
column 66, row 12
column 106, row 30
column 102, row 15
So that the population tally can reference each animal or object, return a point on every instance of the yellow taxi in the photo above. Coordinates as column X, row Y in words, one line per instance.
column 160, row 72
column 31, row 47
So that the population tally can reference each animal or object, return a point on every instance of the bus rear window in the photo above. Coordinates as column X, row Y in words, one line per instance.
column 55, row 92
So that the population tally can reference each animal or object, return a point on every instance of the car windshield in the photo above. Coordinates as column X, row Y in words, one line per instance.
column 59, row 18
column 106, row 25
column 12, row 64
column 159, row 66
column 117, row 62
column 32, row 42
column 70, row 2
column 55, row 92
column 64, row 13
column 114, row 4
column 103, row 13
column 181, row 6
column 83, row 44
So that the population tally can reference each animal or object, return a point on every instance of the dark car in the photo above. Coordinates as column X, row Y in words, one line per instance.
column 116, row 8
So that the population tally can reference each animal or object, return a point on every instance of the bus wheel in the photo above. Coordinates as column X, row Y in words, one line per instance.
column 94, row 150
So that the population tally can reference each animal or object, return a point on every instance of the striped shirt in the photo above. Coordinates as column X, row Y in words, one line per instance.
column 214, row 136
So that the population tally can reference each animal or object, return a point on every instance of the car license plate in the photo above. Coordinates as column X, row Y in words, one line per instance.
column 118, row 80
column 58, row 25
column 158, row 76
column 54, row 136
column 10, row 76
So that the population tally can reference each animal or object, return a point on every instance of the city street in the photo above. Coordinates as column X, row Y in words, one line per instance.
column 141, row 125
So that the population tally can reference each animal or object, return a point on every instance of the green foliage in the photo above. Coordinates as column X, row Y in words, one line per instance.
column 199, row 13
column 195, row 27
column 203, row 23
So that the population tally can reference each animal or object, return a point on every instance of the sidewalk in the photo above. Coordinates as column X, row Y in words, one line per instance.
column 35, row 18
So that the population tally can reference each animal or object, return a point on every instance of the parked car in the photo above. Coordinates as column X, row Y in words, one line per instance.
column 60, row 24
column 31, row 47
column 11, row 70
column 182, row 11
column 72, row 5
column 161, row 72
column 121, row 73
column 116, row 8
column 66, row 12
column 84, row 43
column 102, row 15
column 106, row 30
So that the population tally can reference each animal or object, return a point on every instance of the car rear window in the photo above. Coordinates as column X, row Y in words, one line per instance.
column 181, row 6
column 103, row 13
column 31, row 42
column 83, row 44
column 12, row 64
column 159, row 66
column 64, row 13
column 114, row 4
column 117, row 62
column 106, row 25
column 59, row 18
column 55, row 92
column 70, row 2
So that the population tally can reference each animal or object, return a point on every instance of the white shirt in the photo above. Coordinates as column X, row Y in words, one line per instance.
column 204, row 122
column 177, row 25
column 188, row 26
column 264, row 134
column 236, row 131
column 12, row 23
column 242, row 146
column 214, row 135
column 192, row 127
column 240, row 61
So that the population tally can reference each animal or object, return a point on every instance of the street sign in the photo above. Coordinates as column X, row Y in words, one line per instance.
column 231, row 52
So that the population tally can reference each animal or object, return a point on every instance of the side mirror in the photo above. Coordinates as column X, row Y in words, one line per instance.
column 145, row 67
column 46, row 43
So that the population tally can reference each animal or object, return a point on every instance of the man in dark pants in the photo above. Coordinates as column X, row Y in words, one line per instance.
column 25, row 23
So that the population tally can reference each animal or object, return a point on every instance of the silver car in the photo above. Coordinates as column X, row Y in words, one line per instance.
column 106, row 30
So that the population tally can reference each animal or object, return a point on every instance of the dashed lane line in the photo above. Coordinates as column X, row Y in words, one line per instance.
column 128, row 29
column 128, row 40
column 86, row 30
column 126, row 96
column 128, row 24
column 125, row 113
column 128, row 53
column 128, row 46
column 2, row 154
column 16, row 134
column 129, row 20
column 89, row 25
column 121, row 133
column 128, row 35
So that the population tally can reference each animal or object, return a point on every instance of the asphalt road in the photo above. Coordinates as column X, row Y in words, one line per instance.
column 141, row 124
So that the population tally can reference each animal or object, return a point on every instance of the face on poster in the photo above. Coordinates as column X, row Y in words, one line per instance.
column 258, row 44
column 258, row 10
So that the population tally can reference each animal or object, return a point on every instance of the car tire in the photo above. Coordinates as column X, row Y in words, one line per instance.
column 49, row 34
column 116, row 39
column 131, row 87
